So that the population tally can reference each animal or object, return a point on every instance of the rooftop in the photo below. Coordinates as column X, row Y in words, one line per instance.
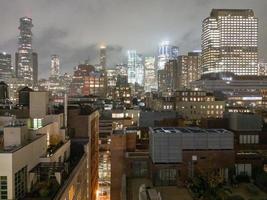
column 180, row 130
column 12, row 149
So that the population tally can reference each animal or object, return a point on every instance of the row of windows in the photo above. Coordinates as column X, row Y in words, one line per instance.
column 204, row 107
column 3, row 187
column 21, row 183
column 249, row 139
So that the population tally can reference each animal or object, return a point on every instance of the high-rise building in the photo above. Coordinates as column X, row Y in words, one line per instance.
column 54, row 70
column 121, row 69
column 35, row 67
column 166, row 52
column 150, row 82
column 79, row 74
column 189, row 69
column 103, row 60
column 5, row 66
column 24, row 59
column 168, row 77
column 230, row 42
column 162, row 79
column 171, row 71
column 135, row 68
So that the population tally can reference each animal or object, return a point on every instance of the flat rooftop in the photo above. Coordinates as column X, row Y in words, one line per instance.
column 166, row 192
column 183, row 130
column 14, row 148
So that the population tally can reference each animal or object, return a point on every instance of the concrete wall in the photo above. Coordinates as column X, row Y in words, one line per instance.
column 15, row 135
column 38, row 104
column 25, row 156
column 147, row 119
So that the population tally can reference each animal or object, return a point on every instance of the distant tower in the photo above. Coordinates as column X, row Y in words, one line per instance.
column 103, row 59
column 54, row 71
column 135, row 68
column 103, row 66
column 25, row 61
column 166, row 52
column 3, row 91
column 5, row 66
column 35, row 67
column 150, row 81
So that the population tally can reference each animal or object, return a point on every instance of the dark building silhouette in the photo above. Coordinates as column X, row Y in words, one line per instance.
column 24, row 96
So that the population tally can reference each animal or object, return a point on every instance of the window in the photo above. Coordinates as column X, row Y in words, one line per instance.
column 21, row 183
column 3, row 187
column 249, row 139
column 166, row 177
column 140, row 168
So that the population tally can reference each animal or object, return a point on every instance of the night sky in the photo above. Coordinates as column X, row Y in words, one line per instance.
column 74, row 29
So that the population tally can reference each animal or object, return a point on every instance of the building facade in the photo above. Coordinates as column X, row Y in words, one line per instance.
column 135, row 68
column 166, row 52
column 230, row 42
column 25, row 61
column 150, row 74
column 55, row 66
column 189, row 69
column 6, row 70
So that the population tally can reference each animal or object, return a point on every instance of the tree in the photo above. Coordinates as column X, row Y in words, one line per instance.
column 206, row 189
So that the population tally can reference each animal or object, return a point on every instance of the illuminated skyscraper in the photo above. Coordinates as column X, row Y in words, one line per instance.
column 150, row 81
column 5, row 66
column 55, row 71
column 135, row 68
column 230, row 42
column 166, row 52
column 24, row 59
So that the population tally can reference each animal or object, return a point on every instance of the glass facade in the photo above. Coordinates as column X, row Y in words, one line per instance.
column 150, row 82
column 166, row 52
column 230, row 42
column 54, row 73
column 135, row 68
column 5, row 66
column 25, row 62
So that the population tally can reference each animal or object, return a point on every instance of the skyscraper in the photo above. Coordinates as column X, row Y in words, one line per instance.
column 25, row 61
column 230, row 42
column 189, row 69
column 5, row 66
column 166, row 52
column 150, row 82
column 135, row 68
column 54, row 70
column 103, row 66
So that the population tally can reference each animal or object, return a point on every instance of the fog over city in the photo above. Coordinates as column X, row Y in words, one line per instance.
column 75, row 29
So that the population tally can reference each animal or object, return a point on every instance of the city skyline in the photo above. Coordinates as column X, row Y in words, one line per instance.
column 79, row 41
